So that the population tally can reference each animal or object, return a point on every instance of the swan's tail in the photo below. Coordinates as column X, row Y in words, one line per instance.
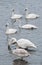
column 34, row 46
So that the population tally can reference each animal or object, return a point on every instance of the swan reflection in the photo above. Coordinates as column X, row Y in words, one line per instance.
column 20, row 62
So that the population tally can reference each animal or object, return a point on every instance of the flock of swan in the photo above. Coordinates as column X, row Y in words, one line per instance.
column 21, row 44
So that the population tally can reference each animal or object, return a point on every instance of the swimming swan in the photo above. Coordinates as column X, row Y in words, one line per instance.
column 18, row 52
column 31, row 15
column 23, row 43
column 28, row 26
column 10, row 30
column 15, row 16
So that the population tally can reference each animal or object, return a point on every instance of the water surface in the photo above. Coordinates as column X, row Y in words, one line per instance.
column 35, row 36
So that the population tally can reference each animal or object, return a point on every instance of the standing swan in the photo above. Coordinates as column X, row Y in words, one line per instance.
column 15, row 16
column 23, row 43
column 18, row 52
column 31, row 15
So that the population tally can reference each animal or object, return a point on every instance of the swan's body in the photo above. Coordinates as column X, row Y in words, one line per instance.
column 10, row 30
column 28, row 26
column 18, row 52
column 31, row 15
column 15, row 16
column 23, row 43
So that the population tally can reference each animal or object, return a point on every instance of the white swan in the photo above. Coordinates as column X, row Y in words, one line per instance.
column 15, row 16
column 28, row 26
column 10, row 30
column 31, row 15
column 23, row 43
column 18, row 52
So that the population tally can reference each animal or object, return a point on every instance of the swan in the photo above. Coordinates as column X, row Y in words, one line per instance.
column 18, row 52
column 9, row 30
column 28, row 26
column 31, row 15
column 22, row 43
column 15, row 16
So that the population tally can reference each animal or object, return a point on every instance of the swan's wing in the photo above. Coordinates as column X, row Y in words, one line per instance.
column 24, row 43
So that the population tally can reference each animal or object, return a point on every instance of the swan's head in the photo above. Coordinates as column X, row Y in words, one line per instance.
column 13, row 10
column 7, row 24
column 26, row 9
column 12, row 41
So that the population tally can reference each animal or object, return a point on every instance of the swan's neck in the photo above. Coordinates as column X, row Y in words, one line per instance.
column 7, row 27
column 26, row 12
column 9, row 48
column 13, row 13
column 19, row 24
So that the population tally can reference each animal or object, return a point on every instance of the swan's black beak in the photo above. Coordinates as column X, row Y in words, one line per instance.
column 6, row 25
column 13, row 10
column 25, row 9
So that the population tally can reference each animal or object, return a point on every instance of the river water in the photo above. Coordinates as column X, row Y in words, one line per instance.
column 35, row 36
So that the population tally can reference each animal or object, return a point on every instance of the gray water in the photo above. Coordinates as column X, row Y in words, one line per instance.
column 35, row 36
